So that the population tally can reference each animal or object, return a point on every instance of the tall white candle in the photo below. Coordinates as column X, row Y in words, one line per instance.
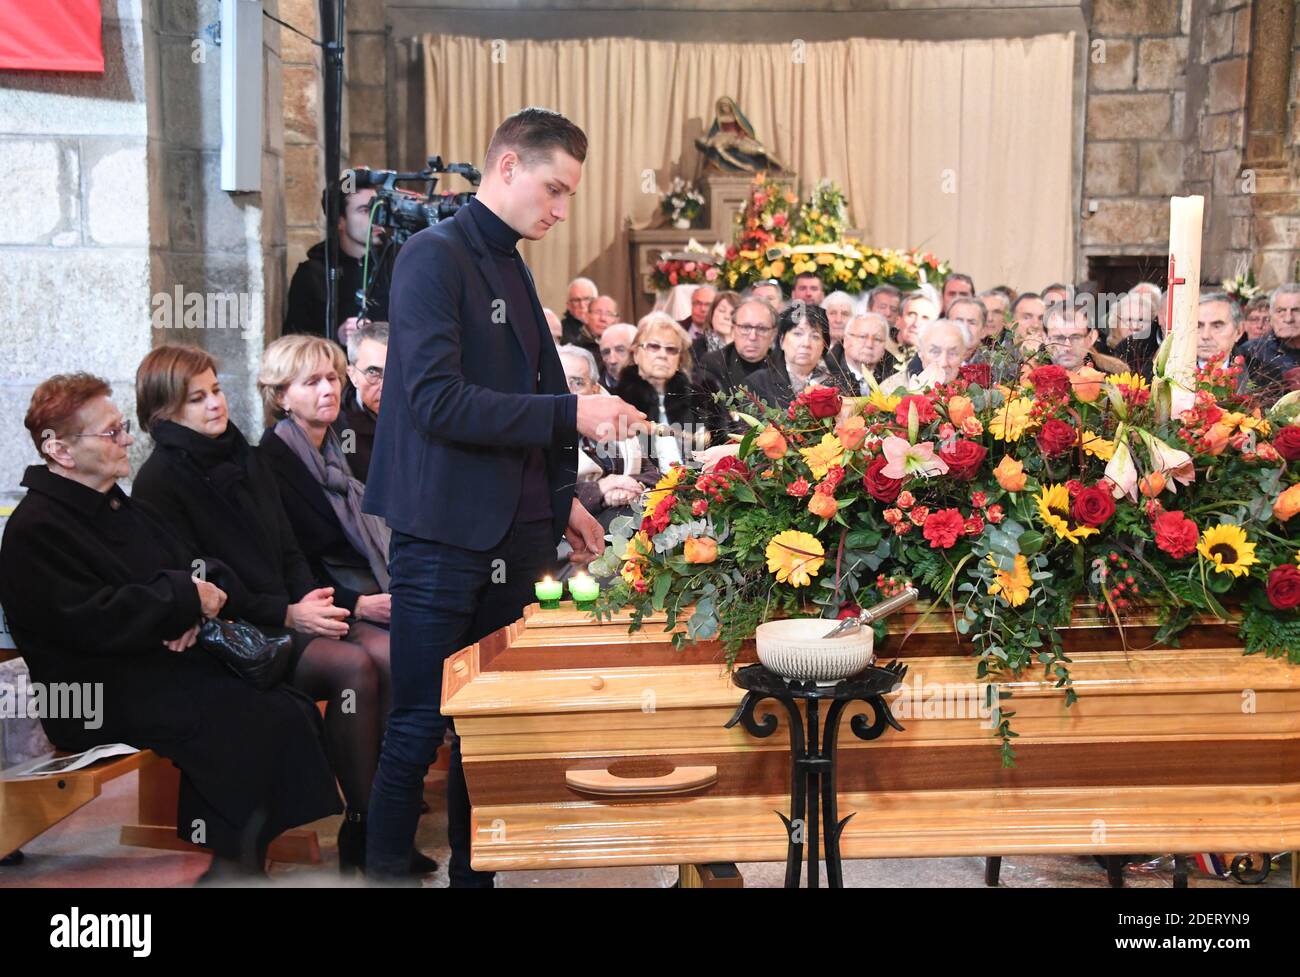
column 1182, row 297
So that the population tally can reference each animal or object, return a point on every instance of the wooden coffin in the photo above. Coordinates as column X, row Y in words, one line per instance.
column 585, row 745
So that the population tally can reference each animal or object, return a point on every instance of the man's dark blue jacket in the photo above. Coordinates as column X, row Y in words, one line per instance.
column 460, row 406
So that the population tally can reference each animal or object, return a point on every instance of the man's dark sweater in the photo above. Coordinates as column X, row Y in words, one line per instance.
column 306, row 311
column 501, row 238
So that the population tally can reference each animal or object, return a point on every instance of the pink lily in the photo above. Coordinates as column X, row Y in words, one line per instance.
column 911, row 459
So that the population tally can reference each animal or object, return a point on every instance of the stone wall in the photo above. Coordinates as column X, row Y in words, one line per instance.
column 304, row 155
column 121, row 205
column 1167, row 107
column 75, row 234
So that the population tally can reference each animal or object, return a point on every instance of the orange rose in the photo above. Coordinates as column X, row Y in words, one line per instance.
column 852, row 433
column 701, row 549
column 971, row 427
column 1288, row 503
column 771, row 442
column 823, row 504
column 1086, row 382
column 1152, row 485
column 1010, row 474
column 1216, row 438
column 960, row 408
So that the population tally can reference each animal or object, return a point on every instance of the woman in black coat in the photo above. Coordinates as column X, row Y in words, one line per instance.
column 97, row 591
column 658, row 383
column 210, row 486
column 803, row 335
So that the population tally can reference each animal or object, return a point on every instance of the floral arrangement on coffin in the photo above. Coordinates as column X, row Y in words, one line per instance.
column 1007, row 503
column 681, row 203
column 693, row 266
column 774, row 239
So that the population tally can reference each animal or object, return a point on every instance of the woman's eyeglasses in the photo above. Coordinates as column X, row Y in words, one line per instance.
column 115, row 434
column 653, row 347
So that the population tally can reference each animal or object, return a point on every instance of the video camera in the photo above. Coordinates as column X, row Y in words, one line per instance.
column 403, row 212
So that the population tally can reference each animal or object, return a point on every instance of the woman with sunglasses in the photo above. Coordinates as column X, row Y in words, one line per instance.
column 658, row 383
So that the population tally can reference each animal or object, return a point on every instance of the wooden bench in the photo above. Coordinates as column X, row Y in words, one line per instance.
column 30, row 806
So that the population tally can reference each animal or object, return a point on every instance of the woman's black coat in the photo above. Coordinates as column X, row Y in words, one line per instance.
column 315, row 524
column 684, row 403
column 92, row 584
column 235, row 516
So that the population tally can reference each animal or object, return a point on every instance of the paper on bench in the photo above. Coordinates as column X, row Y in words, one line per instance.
column 50, row 764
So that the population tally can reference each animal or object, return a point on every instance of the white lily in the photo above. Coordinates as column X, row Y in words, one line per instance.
column 1121, row 471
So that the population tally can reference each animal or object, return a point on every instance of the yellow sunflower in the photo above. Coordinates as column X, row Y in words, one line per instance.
column 820, row 458
column 1054, row 510
column 1134, row 381
column 1226, row 547
column 883, row 402
column 1014, row 586
column 664, row 486
column 794, row 557
column 1097, row 446
column 1010, row 420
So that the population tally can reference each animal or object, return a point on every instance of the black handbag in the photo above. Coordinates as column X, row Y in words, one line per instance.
column 258, row 658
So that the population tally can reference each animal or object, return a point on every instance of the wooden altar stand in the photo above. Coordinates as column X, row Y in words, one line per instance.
column 588, row 746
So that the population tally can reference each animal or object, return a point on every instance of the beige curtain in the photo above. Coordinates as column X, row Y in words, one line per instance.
column 963, row 148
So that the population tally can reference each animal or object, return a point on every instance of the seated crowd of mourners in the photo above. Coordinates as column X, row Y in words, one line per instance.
column 101, row 586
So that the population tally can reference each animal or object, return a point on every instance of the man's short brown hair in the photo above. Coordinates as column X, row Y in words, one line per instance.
column 55, row 404
column 163, row 379
column 534, row 134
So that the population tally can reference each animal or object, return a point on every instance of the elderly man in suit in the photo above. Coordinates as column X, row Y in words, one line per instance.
column 475, row 457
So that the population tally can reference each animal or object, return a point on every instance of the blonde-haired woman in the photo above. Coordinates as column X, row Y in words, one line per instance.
column 223, row 496
column 658, row 383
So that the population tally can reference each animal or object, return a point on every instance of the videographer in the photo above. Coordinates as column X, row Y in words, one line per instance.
column 306, row 313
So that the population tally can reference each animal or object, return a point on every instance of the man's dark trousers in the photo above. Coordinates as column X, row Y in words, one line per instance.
column 444, row 598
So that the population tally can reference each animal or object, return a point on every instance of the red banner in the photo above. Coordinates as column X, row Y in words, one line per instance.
column 51, row 35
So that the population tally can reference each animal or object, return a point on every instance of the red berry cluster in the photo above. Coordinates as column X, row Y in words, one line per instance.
column 1116, row 580
column 891, row 586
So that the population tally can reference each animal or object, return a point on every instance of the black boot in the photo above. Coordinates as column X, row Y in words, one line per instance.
column 352, row 842
column 422, row 864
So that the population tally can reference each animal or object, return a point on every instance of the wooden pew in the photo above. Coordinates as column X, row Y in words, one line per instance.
column 30, row 806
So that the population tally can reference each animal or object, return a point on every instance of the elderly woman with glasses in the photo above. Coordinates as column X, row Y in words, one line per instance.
column 98, row 591
column 658, row 383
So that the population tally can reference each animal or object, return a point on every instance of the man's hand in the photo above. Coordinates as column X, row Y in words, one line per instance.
column 709, row 457
column 584, row 534
column 346, row 328
column 211, row 597
column 605, row 418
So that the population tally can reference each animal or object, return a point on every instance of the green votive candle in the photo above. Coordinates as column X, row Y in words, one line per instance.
column 584, row 590
column 548, row 592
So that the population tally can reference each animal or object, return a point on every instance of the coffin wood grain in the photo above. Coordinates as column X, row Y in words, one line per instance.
column 890, row 825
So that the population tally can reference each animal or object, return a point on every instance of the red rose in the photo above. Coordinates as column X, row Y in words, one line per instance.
column 964, row 459
column 1284, row 587
column 980, row 374
column 943, row 528
column 1056, row 437
column 821, row 401
column 798, row 488
column 924, row 409
column 1093, row 506
column 1175, row 534
column 730, row 463
column 1050, row 380
column 974, row 526
column 882, row 487
column 1287, row 442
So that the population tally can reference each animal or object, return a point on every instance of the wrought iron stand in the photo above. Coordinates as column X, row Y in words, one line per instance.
column 812, row 752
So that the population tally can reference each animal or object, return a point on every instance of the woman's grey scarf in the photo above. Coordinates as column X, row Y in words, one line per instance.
column 329, row 467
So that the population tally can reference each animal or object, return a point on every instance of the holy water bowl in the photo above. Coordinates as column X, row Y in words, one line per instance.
column 795, row 649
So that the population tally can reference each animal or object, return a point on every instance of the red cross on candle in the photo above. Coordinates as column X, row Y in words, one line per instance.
column 1169, row 296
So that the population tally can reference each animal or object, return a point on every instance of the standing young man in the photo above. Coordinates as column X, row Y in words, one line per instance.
column 475, row 458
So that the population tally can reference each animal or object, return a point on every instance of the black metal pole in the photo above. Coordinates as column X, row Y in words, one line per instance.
column 332, row 34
